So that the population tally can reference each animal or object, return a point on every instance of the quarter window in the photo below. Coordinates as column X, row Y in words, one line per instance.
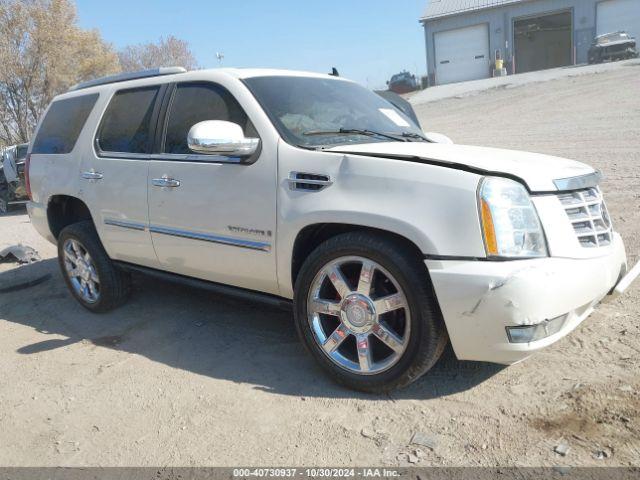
column 62, row 124
column 126, row 126
column 197, row 102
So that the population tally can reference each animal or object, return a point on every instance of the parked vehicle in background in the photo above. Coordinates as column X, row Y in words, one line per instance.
column 310, row 189
column 12, row 181
column 611, row 47
column 403, row 82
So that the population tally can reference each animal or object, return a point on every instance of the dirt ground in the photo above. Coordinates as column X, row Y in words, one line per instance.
column 182, row 377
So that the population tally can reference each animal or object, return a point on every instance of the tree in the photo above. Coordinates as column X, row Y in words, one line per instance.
column 167, row 52
column 43, row 52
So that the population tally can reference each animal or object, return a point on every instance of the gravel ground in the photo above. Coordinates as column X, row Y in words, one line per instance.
column 181, row 377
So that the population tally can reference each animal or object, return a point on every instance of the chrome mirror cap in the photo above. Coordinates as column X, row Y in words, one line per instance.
column 216, row 137
column 434, row 137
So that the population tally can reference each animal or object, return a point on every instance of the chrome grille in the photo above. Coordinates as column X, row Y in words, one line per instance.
column 588, row 214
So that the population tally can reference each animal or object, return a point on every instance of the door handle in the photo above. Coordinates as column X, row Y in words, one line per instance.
column 92, row 175
column 165, row 182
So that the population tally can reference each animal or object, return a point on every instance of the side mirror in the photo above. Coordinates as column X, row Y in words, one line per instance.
column 434, row 137
column 215, row 137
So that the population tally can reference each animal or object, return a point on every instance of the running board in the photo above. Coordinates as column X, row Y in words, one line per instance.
column 236, row 292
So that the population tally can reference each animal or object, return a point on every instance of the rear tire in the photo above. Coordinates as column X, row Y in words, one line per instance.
column 385, row 329
column 91, row 276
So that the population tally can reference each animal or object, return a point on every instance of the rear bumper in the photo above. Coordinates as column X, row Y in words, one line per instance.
column 480, row 300
column 38, row 216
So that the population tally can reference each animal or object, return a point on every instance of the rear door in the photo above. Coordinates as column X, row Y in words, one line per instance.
column 114, row 174
column 217, row 220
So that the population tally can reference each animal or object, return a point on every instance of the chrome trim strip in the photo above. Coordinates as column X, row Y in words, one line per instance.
column 235, row 242
column 194, row 157
column 122, row 155
column 579, row 183
column 120, row 223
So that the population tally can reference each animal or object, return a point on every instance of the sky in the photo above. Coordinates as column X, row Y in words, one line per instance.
column 366, row 40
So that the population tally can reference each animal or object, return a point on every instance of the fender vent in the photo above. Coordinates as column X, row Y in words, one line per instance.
column 308, row 182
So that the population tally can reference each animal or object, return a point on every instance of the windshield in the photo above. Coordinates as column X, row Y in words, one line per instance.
column 317, row 112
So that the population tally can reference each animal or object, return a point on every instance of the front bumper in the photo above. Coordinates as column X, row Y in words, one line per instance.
column 480, row 299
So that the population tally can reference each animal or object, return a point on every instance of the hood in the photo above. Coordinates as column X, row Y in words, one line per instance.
column 537, row 171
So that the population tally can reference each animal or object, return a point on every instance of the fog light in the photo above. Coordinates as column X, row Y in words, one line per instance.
column 532, row 333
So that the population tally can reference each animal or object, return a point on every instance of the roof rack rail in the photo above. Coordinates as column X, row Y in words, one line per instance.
column 123, row 77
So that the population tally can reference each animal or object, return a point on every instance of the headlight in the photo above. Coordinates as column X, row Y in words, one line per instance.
column 510, row 223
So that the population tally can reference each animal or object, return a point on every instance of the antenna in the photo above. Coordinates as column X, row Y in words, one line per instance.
column 220, row 57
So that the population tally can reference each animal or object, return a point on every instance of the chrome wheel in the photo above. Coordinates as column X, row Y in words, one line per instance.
column 359, row 315
column 81, row 271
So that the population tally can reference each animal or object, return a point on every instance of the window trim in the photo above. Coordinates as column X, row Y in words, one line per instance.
column 162, row 88
column 163, row 122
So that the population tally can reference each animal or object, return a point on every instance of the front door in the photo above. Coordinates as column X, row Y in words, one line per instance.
column 115, row 176
column 212, row 217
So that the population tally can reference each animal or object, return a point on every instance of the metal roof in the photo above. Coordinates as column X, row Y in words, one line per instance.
column 446, row 8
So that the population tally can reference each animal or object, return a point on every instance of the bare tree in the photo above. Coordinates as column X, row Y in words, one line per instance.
column 43, row 52
column 167, row 52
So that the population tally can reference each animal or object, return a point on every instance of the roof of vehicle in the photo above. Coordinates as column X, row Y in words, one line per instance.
column 165, row 75
column 614, row 37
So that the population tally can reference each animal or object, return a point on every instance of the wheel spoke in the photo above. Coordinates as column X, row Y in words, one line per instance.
column 364, row 353
column 74, row 272
column 338, row 281
column 84, row 285
column 319, row 305
column 70, row 254
column 335, row 340
column 366, row 277
column 94, row 276
column 389, row 338
column 390, row 303
column 76, row 249
column 92, row 288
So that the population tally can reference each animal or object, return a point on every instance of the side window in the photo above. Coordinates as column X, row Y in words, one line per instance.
column 126, row 126
column 197, row 102
column 62, row 125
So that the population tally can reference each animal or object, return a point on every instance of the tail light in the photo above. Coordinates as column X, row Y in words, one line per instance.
column 27, row 182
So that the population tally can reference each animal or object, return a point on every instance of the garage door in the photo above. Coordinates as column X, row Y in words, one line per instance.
column 615, row 15
column 462, row 54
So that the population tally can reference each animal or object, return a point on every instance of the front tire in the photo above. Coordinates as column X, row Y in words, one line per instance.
column 91, row 276
column 366, row 311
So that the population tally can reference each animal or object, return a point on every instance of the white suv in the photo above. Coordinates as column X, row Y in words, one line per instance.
column 310, row 188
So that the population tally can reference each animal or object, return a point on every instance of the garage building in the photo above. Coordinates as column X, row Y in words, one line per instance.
column 464, row 36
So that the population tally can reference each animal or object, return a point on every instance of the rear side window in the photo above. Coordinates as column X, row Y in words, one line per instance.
column 62, row 125
column 197, row 102
column 126, row 125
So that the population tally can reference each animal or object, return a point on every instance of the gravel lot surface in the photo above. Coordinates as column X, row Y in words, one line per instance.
column 181, row 377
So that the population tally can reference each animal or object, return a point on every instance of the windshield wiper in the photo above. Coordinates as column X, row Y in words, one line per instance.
column 353, row 131
column 416, row 136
